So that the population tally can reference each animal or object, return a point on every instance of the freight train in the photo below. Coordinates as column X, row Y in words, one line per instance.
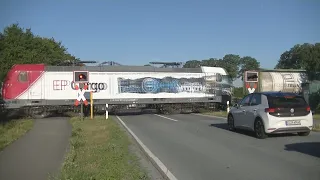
column 284, row 80
column 38, row 89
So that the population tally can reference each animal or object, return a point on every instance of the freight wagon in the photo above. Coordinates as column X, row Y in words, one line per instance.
column 285, row 80
column 38, row 89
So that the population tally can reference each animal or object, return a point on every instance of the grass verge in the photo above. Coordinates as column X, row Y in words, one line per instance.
column 13, row 130
column 316, row 117
column 99, row 149
column 316, row 127
column 216, row 113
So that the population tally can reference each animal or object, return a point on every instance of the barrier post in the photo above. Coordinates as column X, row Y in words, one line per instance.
column 107, row 113
column 228, row 108
column 91, row 104
column 81, row 111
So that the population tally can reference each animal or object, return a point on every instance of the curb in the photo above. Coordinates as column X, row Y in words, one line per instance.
column 163, row 170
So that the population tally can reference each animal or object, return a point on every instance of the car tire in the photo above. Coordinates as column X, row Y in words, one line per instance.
column 231, row 123
column 304, row 133
column 259, row 129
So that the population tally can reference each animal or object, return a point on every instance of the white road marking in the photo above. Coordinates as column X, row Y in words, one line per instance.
column 166, row 117
column 150, row 154
column 209, row 116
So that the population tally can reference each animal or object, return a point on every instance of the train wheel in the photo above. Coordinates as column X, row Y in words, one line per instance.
column 38, row 112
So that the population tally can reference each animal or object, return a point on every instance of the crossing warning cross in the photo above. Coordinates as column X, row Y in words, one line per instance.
column 80, row 93
column 251, row 90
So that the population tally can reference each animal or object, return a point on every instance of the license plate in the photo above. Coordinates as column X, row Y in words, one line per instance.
column 294, row 122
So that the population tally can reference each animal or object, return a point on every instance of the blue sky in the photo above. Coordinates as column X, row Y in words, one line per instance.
column 140, row 31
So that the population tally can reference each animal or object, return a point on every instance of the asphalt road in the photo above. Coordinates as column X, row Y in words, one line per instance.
column 197, row 147
column 39, row 153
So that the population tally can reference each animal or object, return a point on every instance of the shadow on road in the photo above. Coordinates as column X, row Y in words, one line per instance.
column 102, row 113
column 141, row 112
column 224, row 126
column 310, row 148
column 17, row 115
column 134, row 112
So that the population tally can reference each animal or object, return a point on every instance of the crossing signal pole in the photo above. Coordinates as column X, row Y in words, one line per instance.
column 81, row 78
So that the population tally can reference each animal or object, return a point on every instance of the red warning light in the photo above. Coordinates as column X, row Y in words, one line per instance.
column 82, row 77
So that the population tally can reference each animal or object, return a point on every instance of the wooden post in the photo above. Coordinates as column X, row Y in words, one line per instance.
column 81, row 111
column 107, row 113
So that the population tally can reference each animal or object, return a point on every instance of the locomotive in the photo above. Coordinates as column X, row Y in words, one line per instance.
column 38, row 89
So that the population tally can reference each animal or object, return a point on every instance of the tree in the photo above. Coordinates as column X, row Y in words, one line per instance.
column 305, row 56
column 230, row 63
column 238, row 92
column 19, row 46
column 192, row 64
column 212, row 62
column 289, row 59
column 310, row 57
column 247, row 63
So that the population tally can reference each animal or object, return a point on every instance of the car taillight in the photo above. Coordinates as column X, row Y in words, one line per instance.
column 308, row 108
column 270, row 110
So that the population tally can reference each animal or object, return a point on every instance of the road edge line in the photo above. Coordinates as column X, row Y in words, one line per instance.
column 164, row 117
column 208, row 116
column 154, row 159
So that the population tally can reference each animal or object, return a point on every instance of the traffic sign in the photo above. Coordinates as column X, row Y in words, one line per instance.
column 80, row 92
column 250, row 88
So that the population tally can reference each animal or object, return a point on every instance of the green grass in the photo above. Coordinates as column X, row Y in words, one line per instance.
column 100, row 150
column 316, row 116
column 217, row 113
column 316, row 127
column 13, row 130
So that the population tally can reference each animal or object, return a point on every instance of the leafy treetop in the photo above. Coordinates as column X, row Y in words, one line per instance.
column 233, row 64
column 305, row 56
column 19, row 46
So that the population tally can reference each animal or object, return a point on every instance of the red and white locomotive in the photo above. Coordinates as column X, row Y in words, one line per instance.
column 38, row 89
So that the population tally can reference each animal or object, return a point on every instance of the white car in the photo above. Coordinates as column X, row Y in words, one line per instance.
column 271, row 113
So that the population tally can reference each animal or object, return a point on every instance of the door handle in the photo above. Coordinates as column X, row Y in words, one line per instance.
column 255, row 110
column 243, row 110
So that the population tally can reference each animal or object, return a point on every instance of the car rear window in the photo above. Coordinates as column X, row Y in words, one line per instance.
column 290, row 101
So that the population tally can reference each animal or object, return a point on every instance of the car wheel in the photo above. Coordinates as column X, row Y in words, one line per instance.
column 259, row 129
column 231, row 123
column 303, row 133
